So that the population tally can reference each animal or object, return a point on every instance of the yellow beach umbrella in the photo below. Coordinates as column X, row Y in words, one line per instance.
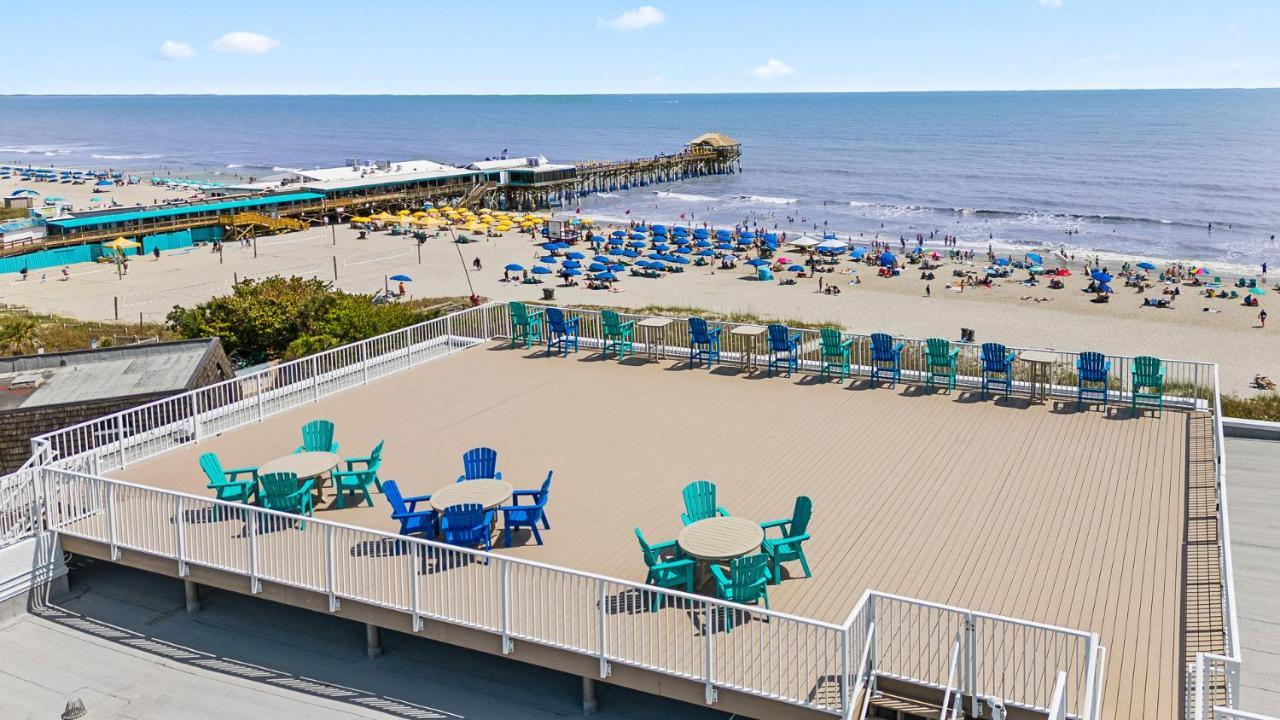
column 121, row 243
column 360, row 219
column 384, row 215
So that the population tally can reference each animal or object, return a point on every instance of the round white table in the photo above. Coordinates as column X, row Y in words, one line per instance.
column 721, row 539
column 304, row 464
column 487, row 493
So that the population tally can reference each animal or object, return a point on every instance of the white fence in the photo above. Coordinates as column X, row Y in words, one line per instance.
column 797, row 660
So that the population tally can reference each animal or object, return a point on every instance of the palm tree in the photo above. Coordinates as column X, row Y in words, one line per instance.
column 19, row 335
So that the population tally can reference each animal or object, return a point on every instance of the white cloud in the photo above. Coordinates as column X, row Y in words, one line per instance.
column 1051, row 4
column 245, row 43
column 775, row 68
column 172, row 50
column 642, row 17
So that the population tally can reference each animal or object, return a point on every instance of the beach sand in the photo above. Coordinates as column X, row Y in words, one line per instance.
column 81, row 196
column 1067, row 321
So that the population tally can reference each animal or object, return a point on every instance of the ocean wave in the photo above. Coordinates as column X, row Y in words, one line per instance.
column 275, row 168
column 687, row 197
column 1023, row 215
column 766, row 199
column 124, row 157
column 232, row 166
column 36, row 150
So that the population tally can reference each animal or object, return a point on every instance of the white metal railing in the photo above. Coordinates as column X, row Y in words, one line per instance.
column 898, row 637
column 1057, row 706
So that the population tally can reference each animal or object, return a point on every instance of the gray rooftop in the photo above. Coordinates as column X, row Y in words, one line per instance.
column 73, row 377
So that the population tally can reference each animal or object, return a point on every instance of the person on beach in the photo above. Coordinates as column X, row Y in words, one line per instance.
column 1262, row 318
column 23, row 273
column 155, row 251
column 66, row 274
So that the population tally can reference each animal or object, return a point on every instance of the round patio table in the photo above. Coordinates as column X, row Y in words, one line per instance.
column 721, row 539
column 304, row 464
column 486, row 493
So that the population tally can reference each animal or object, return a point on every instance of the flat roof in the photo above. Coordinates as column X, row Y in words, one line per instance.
column 83, row 220
column 1037, row 512
column 383, row 179
column 58, row 378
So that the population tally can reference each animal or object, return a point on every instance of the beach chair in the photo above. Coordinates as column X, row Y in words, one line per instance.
column 746, row 582
column 700, row 502
column 283, row 492
column 668, row 568
column 617, row 334
column 886, row 356
column 997, row 368
column 1093, row 374
column 940, row 362
column 526, row 324
column 361, row 472
column 404, row 510
column 835, row 354
column 317, row 436
column 467, row 525
column 516, row 515
column 784, row 347
column 1147, row 381
column 795, row 531
column 225, row 484
column 704, row 343
column 562, row 332
column 480, row 463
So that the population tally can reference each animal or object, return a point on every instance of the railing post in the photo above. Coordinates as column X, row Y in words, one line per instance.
column 315, row 380
column 120, row 439
column 255, row 585
column 330, row 569
column 604, row 630
column 111, row 520
column 448, row 334
column 845, row 710
column 194, row 409
column 258, row 393
column 1091, row 669
column 505, row 599
column 708, row 659
column 179, row 551
column 364, row 360
column 414, row 599
column 969, row 667
column 408, row 343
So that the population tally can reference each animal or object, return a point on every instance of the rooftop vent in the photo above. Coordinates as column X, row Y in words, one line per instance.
column 29, row 381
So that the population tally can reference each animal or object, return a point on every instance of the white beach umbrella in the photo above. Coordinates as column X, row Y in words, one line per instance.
column 804, row 241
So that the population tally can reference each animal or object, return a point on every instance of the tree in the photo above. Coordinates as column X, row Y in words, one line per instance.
column 288, row 318
column 19, row 335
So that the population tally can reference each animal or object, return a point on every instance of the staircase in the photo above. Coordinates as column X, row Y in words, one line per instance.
column 477, row 193
column 257, row 222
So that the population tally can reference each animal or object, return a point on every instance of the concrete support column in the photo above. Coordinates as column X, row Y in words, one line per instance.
column 191, row 591
column 373, row 640
column 588, row 696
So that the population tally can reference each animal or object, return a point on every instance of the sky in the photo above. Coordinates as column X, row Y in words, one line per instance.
column 422, row 47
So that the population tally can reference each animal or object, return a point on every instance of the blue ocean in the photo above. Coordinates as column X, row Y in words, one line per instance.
column 1137, row 173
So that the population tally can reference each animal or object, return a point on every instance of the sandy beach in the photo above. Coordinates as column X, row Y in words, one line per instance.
column 82, row 198
column 1008, row 312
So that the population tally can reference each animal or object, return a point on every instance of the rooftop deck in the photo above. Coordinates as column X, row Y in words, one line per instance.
column 1036, row 512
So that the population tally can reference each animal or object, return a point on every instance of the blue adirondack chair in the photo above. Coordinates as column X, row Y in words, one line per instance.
column 283, row 492
column 480, row 463
column 1093, row 374
column 618, row 335
column 317, row 436
column 405, row 511
column 226, row 484
column 1147, row 382
column 940, row 362
column 562, row 332
column 668, row 568
column 516, row 515
column 700, row 502
column 704, row 343
column 790, row 546
column 361, row 472
column 526, row 324
column 835, row 354
column 886, row 356
column 467, row 525
column 746, row 582
column 997, row 367
column 784, row 347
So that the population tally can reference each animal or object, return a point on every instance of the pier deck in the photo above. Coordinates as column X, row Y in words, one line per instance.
column 1040, row 512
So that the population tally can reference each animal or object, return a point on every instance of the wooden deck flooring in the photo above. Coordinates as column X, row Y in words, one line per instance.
column 1041, row 512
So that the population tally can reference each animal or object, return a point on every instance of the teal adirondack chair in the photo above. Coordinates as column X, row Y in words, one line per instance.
column 668, row 568
column 361, row 472
column 790, row 546
column 746, row 583
column 226, row 484
column 940, row 362
column 617, row 334
column 1148, row 382
column 281, row 491
column 526, row 324
column 835, row 354
column 700, row 502
column 317, row 436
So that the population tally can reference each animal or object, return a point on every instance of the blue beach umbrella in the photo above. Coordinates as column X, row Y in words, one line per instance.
column 636, row 244
column 616, row 268
column 680, row 259
column 703, row 244
column 401, row 278
column 1105, row 288
column 1146, row 266
column 1002, row 261
column 630, row 254
column 575, row 256
column 706, row 253
column 596, row 267
column 887, row 259
column 1033, row 257
column 614, row 241
column 619, row 233
column 638, row 236
column 748, row 235
column 796, row 268
column 681, row 240
column 857, row 253
column 724, row 246
column 572, row 264
column 600, row 258
column 540, row 270
column 548, row 260
column 659, row 229
column 757, row 262
column 614, row 251
column 701, row 233
column 683, row 250
column 654, row 255
column 606, row 276
column 1100, row 276
column 680, row 231
column 513, row 267
column 571, row 272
